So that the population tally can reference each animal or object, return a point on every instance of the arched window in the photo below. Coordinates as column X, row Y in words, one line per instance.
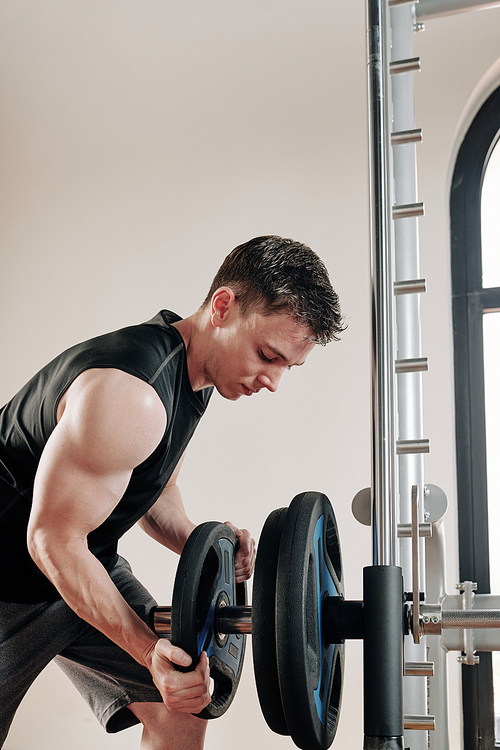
column 475, row 258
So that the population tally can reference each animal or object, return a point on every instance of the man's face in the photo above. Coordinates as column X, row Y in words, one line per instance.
column 253, row 351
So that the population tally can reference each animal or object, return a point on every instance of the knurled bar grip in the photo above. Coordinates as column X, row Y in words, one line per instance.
column 460, row 619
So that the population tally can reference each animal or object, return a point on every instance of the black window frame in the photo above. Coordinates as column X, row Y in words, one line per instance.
column 470, row 300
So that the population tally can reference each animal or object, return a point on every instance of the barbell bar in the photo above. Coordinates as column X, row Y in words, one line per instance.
column 433, row 620
column 230, row 620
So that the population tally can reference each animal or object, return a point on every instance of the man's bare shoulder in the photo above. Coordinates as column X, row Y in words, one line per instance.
column 115, row 407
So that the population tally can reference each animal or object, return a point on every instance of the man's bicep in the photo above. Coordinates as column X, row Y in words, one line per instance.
column 111, row 423
column 71, row 497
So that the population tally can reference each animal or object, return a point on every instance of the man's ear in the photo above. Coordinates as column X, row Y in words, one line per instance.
column 223, row 301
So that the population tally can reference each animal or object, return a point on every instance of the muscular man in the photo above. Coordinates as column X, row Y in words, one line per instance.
column 93, row 444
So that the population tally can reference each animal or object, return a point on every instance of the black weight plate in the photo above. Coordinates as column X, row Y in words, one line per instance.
column 205, row 581
column 310, row 670
column 264, row 623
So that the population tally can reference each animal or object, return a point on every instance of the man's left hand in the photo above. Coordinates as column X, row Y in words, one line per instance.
column 244, row 562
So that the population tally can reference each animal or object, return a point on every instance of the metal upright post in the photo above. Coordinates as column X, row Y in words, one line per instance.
column 383, row 658
column 383, row 582
column 397, row 410
column 383, row 442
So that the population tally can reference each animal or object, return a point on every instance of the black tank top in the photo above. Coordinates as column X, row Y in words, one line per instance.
column 154, row 352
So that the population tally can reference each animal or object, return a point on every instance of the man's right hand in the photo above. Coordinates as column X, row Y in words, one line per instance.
column 188, row 692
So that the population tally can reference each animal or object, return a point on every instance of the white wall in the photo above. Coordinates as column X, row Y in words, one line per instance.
column 141, row 141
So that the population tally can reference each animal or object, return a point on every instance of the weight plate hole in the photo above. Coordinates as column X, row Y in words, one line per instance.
column 208, row 580
column 333, row 547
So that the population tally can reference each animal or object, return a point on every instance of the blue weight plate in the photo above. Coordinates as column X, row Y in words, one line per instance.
column 264, row 623
column 204, row 582
column 310, row 669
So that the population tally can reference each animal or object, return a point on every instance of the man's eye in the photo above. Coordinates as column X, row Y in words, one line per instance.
column 263, row 356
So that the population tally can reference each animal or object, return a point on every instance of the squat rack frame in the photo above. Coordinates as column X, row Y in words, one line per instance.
column 398, row 444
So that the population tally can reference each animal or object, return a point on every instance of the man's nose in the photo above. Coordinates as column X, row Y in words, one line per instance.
column 271, row 378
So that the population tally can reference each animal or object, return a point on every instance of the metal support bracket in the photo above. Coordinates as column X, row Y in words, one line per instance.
column 468, row 657
column 415, row 622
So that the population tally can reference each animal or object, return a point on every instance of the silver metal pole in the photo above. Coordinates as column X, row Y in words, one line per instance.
column 383, row 443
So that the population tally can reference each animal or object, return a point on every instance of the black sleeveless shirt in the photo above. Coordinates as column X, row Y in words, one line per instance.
column 154, row 352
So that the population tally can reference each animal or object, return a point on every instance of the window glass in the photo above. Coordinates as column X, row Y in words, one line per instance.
column 491, row 333
column 475, row 253
column 490, row 221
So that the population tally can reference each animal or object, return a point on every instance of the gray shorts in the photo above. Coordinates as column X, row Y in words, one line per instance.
column 31, row 635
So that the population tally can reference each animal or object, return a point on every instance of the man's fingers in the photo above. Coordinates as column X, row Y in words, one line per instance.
column 190, row 699
column 188, row 692
column 234, row 528
column 244, row 561
column 173, row 654
column 192, row 693
column 203, row 664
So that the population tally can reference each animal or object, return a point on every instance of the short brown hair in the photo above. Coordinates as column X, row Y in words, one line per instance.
column 281, row 275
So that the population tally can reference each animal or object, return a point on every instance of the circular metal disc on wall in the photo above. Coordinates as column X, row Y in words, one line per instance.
column 435, row 503
column 362, row 506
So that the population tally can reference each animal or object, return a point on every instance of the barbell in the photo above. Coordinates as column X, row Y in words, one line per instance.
column 299, row 668
column 299, row 621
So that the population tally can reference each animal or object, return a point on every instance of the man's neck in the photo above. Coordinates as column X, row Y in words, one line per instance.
column 194, row 331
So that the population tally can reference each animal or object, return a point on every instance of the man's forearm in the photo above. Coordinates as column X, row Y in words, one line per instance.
column 86, row 587
column 167, row 522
